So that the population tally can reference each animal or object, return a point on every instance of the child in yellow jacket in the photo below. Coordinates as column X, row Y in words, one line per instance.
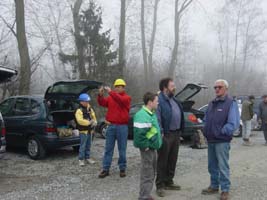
column 86, row 121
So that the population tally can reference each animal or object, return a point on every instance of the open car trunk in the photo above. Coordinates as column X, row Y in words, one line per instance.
column 186, row 94
column 61, row 99
column 64, row 122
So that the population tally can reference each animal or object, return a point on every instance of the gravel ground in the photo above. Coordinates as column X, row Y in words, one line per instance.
column 60, row 177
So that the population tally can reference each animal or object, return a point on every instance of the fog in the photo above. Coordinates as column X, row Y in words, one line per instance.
column 217, row 39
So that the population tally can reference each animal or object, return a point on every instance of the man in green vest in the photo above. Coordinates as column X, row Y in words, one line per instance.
column 147, row 138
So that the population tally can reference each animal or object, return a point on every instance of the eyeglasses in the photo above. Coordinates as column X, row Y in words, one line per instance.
column 218, row 87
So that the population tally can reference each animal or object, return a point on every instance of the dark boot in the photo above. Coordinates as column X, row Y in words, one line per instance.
column 172, row 186
column 122, row 173
column 103, row 174
column 160, row 192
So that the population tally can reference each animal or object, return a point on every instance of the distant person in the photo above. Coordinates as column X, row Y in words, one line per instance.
column 246, row 117
column 171, row 120
column 86, row 120
column 117, row 117
column 147, row 138
column 263, row 116
column 221, row 120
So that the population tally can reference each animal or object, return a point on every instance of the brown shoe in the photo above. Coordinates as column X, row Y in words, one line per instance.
column 225, row 196
column 209, row 191
column 122, row 173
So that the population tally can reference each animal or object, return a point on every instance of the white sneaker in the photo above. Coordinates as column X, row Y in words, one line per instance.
column 90, row 161
column 81, row 163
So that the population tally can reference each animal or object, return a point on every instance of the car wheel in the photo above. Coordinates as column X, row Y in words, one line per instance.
column 35, row 149
column 103, row 130
column 238, row 133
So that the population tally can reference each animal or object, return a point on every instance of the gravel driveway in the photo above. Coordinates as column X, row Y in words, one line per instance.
column 60, row 177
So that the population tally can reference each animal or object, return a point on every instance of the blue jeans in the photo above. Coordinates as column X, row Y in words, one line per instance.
column 119, row 132
column 85, row 145
column 218, row 164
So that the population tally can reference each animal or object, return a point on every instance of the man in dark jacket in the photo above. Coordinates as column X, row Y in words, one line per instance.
column 221, row 120
column 171, row 120
column 263, row 116
column 246, row 116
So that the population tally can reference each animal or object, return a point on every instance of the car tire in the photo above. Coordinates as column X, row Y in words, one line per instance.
column 35, row 149
column 238, row 133
column 76, row 148
column 103, row 130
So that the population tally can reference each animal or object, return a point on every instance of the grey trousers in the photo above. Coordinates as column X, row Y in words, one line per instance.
column 148, row 173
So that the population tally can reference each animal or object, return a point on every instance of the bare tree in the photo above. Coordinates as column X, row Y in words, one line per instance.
column 143, row 38
column 122, row 39
column 148, row 57
column 152, row 39
column 25, row 63
column 179, row 9
column 78, row 39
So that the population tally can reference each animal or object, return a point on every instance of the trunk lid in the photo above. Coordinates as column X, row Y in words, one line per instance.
column 189, row 91
column 6, row 74
column 70, row 89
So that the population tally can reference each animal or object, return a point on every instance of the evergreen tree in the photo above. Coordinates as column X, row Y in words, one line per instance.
column 97, row 52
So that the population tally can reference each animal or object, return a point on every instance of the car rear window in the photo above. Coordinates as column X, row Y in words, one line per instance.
column 22, row 107
column 6, row 106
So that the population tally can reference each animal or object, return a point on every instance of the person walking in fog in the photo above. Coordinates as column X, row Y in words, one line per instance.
column 171, row 120
column 222, row 118
column 246, row 117
column 263, row 116
column 147, row 138
column 117, row 117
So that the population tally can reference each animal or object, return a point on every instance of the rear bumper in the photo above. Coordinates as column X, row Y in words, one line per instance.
column 54, row 142
column 189, row 131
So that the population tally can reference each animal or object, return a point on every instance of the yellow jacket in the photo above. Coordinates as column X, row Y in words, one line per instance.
column 84, row 122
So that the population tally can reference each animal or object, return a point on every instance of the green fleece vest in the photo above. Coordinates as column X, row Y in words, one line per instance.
column 146, row 130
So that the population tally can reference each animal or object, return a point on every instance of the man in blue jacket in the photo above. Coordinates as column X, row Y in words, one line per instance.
column 171, row 120
column 221, row 120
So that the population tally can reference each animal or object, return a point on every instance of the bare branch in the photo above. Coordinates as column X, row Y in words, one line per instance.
column 11, row 27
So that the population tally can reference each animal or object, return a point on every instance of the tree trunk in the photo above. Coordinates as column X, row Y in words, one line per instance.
column 25, row 63
column 78, row 39
column 152, row 40
column 173, row 62
column 143, row 36
column 122, row 61
column 179, row 10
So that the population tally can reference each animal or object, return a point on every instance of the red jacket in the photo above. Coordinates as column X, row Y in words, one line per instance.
column 118, row 105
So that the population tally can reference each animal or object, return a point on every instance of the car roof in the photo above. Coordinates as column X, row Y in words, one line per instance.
column 35, row 97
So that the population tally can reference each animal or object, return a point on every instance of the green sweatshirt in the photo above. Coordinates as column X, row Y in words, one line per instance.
column 146, row 130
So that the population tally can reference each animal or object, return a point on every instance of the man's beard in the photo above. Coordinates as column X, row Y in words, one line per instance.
column 170, row 93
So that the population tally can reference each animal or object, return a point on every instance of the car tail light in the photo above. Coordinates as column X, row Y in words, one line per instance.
column 192, row 118
column 3, row 131
column 50, row 129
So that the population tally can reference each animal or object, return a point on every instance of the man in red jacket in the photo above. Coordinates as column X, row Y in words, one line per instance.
column 118, row 104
